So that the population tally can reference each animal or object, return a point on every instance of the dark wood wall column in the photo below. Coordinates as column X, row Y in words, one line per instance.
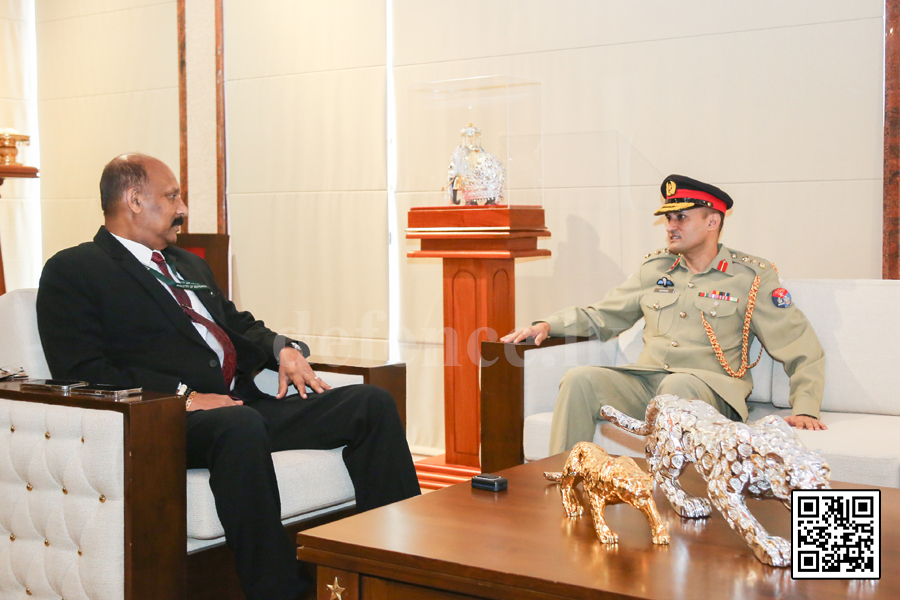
column 890, row 263
column 221, row 167
column 182, row 110
column 221, row 196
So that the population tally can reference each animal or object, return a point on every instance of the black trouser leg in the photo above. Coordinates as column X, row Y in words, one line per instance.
column 234, row 444
column 363, row 418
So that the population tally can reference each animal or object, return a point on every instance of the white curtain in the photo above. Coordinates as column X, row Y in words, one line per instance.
column 20, row 213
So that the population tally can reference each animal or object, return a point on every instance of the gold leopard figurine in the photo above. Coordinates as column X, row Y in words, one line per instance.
column 763, row 459
column 607, row 480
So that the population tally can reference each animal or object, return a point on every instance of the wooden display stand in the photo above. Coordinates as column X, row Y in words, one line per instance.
column 478, row 245
column 12, row 171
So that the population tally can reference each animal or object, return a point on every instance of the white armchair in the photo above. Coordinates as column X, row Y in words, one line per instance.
column 94, row 502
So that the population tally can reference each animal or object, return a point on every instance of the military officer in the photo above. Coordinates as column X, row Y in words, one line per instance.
column 703, row 305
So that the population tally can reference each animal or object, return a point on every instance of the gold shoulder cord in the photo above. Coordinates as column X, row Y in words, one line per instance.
column 745, row 344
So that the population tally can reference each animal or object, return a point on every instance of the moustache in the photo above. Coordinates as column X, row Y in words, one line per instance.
column 178, row 222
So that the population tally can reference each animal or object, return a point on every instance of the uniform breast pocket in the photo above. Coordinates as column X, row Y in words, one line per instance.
column 724, row 318
column 659, row 311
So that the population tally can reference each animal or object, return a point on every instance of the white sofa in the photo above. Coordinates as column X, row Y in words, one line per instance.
column 70, row 545
column 858, row 324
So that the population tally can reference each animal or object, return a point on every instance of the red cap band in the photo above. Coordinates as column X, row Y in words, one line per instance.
column 717, row 204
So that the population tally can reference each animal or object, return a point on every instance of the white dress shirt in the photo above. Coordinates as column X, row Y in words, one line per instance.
column 144, row 254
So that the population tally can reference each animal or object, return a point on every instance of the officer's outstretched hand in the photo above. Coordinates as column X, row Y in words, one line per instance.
column 539, row 332
column 293, row 368
column 805, row 422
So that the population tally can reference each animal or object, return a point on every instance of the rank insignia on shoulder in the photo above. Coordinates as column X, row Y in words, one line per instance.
column 781, row 298
column 665, row 282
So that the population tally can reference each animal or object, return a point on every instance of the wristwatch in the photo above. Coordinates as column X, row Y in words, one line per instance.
column 293, row 345
column 187, row 393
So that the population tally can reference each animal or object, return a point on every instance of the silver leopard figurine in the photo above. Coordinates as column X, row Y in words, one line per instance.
column 763, row 459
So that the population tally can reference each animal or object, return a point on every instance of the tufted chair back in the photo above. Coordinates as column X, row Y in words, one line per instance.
column 61, row 482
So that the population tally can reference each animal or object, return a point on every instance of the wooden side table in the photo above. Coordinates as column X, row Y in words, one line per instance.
column 478, row 245
column 12, row 171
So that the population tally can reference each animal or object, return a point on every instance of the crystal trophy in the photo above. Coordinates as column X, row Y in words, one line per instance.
column 475, row 176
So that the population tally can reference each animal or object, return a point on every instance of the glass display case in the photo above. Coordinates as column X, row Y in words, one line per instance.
column 478, row 141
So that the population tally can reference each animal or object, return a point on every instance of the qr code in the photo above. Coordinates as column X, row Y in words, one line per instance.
column 836, row 534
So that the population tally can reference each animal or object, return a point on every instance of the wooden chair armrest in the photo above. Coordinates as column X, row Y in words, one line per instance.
column 389, row 376
column 503, row 401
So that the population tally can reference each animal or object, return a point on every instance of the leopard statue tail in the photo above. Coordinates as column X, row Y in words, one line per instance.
column 553, row 476
column 620, row 419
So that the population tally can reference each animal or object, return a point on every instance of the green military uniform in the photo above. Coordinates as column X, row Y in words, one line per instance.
column 671, row 299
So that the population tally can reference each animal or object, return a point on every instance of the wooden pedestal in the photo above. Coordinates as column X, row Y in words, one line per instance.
column 479, row 245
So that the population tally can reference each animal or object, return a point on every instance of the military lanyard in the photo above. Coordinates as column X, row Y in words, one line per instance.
column 182, row 285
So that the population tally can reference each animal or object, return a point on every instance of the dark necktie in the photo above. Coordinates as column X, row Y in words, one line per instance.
column 230, row 363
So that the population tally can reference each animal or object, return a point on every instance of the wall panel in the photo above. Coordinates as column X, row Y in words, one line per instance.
column 306, row 107
column 107, row 84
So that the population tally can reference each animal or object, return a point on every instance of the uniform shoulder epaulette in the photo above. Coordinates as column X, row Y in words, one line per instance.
column 661, row 253
column 760, row 265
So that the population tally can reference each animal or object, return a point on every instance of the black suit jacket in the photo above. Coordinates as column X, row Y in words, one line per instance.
column 104, row 318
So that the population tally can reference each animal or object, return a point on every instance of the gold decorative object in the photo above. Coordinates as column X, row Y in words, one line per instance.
column 607, row 480
column 763, row 459
column 9, row 139
column 336, row 590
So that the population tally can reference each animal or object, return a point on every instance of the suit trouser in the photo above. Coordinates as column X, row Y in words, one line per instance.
column 583, row 391
column 236, row 445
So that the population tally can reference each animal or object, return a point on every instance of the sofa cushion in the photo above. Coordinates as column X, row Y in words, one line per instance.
column 18, row 321
column 536, row 438
column 853, row 337
column 859, row 448
column 308, row 480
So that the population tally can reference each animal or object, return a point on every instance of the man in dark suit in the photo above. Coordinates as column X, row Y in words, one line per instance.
column 130, row 309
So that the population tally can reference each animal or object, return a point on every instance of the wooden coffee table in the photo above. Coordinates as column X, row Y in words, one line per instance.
column 465, row 543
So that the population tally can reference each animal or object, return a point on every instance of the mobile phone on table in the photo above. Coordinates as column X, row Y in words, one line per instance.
column 52, row 385
column 490, row 482
column 116, row 392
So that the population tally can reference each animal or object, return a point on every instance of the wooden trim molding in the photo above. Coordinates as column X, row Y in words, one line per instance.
column 890, row 249
column 182, row 110
column 221, row 157
column 221, row 166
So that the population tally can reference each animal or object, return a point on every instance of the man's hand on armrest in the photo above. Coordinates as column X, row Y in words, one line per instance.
column 211, row 401
column 293, row 368
column 540, row 332
column 805, row 422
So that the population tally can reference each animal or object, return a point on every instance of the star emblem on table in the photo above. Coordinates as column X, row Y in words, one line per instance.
column 336, row 590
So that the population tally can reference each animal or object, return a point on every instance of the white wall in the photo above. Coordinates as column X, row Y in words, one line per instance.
column 306, row 102
column 780, row 104
column 107, row 84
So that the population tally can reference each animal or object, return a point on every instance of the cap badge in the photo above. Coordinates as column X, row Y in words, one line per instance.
column 781, row 298
column 671, row 188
